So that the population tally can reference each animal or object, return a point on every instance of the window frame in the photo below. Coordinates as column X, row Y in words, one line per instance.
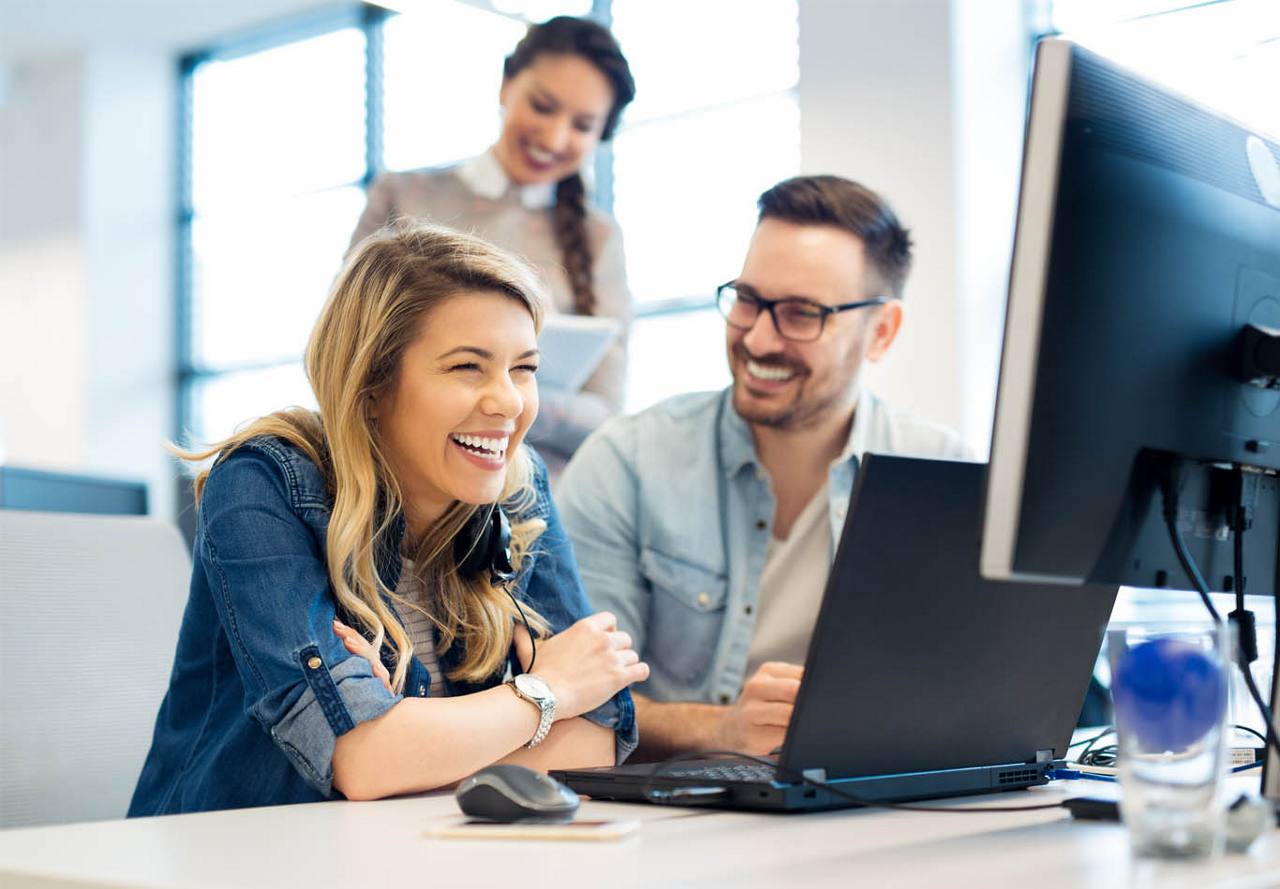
column 189, row 373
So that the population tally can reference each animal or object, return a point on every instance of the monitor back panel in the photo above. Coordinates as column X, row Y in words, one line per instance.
column 917, row 663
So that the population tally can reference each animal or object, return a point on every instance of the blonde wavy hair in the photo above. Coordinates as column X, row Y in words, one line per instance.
column 376, row 309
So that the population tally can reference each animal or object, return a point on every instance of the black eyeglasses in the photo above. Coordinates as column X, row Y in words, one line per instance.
column 796, row 319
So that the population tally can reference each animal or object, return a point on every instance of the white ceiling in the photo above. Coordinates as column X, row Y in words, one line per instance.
column 32, row 29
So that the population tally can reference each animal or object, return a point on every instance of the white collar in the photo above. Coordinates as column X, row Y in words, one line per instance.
column 484, row 175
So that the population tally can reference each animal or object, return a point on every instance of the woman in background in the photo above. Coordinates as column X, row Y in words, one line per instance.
column 563, row 89
column 366, row 578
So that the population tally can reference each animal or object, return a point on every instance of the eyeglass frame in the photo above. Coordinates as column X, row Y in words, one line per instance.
column 770, row 305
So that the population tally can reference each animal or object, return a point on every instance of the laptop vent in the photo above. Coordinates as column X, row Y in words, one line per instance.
column 1018, row 776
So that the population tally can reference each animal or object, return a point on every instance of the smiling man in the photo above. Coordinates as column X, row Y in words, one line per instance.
column 708, row 523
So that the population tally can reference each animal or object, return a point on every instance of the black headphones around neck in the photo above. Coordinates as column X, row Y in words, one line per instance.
column 484, row 545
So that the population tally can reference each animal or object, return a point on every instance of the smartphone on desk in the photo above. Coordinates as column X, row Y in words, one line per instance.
column 1092, row 808
column 535, row 830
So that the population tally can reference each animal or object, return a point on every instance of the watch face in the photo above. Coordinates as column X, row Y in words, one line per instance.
column 533, row 686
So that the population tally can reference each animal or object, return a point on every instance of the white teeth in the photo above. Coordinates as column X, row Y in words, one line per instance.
column 765, row 372
column 542, row 157
column 496, row 447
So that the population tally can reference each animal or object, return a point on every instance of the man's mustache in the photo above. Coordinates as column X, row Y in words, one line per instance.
column 773, row 359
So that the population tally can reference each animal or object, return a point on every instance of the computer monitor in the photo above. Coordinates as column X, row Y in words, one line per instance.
column 1140, row 356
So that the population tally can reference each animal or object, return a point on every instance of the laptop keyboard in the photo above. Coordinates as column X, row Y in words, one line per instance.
column 725, row 771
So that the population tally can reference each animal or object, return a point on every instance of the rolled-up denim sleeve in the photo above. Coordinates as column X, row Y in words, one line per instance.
column 555, row 589
column 271, row 590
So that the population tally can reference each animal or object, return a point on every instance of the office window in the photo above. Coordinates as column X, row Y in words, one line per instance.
column 276, row 158
column 1225, row 54
column 716, row 121
column 428, row 127
column 283, row 133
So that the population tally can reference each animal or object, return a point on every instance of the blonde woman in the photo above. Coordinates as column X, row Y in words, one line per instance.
column 349, row 628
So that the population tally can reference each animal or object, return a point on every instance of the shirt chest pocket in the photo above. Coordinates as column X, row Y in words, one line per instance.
column 685, row 617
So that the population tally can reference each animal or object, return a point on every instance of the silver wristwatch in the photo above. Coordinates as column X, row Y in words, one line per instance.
column 532, row 689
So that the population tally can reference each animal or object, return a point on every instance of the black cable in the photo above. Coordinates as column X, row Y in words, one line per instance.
column 533, row 644
column 1238, row 539
column 1254, row 693
column 1252, row 731
column 1185, row 559
column 1108, row 755
column 648, row 789
column 1105, row 756
column 1193, row 573
column 1243, row 617
column 1102, row 756
column 1245, row 625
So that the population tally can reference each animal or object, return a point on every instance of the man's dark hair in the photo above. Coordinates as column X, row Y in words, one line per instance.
column 832, row 200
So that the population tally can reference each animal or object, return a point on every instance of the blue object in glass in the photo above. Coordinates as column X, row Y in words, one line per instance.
column 1169, row 693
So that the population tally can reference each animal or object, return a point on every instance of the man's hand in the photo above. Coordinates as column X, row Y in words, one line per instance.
column 757, row 723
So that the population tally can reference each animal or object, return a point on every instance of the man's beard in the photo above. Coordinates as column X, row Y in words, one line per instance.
column 800, row 412
column 775, row 418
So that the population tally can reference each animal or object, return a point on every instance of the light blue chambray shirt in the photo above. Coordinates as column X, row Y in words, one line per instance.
column 670, row 514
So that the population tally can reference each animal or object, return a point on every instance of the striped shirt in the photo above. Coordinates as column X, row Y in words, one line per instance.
column 419, row 627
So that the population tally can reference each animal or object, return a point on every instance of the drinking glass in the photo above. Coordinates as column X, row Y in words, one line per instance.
column 1170, row 689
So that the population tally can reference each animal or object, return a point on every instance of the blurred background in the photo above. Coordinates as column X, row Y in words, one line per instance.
column 179, row 179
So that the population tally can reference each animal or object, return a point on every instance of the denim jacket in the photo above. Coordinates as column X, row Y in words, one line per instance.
column 261, row 686
column 670, row 512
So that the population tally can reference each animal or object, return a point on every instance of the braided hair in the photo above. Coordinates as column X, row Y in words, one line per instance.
column 566, row 35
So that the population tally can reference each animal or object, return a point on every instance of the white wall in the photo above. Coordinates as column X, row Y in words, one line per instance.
column 128, row 213
column 923, row 101
column 86, row 246
column 43, row 292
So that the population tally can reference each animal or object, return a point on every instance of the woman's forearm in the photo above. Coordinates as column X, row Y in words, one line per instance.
column 424, row 743
column 572, row 744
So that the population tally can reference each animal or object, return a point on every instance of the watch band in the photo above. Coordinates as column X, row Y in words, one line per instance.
column 546, row 713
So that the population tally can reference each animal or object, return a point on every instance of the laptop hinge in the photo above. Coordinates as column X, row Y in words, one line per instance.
column 817, row 776
column 1044, row 755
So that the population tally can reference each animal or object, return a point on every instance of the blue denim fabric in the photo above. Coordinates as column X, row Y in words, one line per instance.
column 261, row 686
column 670, row 513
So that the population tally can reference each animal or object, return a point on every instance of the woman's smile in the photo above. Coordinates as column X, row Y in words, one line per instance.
column 488, row 450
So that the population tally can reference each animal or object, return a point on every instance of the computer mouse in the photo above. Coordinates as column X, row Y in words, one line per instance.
column 514, row 793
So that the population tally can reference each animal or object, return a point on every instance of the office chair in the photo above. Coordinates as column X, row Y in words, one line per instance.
column 91, row 607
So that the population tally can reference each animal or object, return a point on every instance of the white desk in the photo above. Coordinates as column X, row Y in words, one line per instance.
column 383, row 844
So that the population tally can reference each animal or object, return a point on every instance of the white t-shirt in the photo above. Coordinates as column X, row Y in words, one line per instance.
column 791, row 586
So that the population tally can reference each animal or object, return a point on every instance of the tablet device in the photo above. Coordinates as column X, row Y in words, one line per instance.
column 572, row 347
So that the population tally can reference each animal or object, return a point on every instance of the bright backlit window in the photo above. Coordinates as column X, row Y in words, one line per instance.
column 276, row 160
column 440, row 104
column 716, row 121
column 1224, row 54
column 284, row 134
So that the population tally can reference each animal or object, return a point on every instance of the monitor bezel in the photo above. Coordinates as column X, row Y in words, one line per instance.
column 1037, row 201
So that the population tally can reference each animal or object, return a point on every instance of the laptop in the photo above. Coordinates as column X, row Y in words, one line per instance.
column 922, row 679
